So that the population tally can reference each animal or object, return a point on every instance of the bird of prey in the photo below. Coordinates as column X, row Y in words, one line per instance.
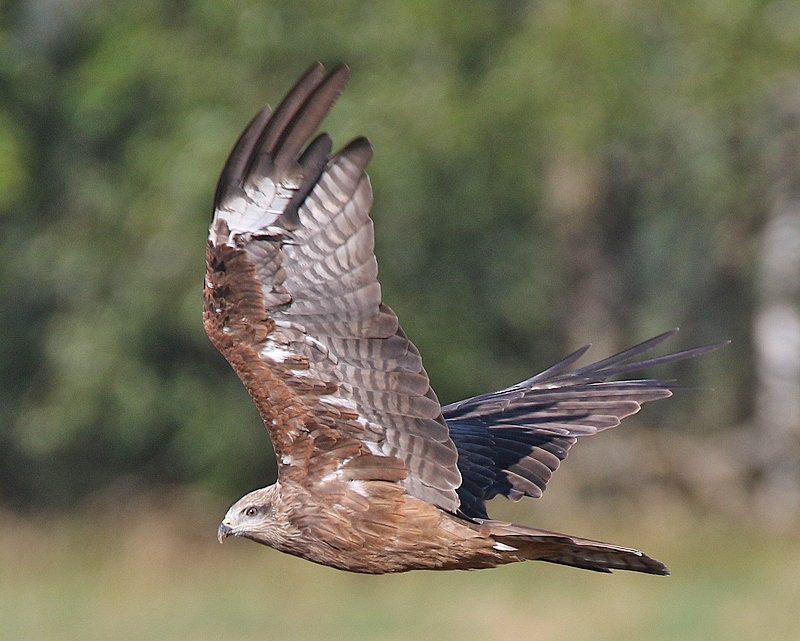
column 374, row 476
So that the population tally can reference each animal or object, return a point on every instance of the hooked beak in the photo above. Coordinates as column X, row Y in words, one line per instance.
column 224, row 531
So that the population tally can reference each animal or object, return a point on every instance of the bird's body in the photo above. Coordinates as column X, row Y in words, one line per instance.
column 373, row 475
column 372, row 527
column 376, row 527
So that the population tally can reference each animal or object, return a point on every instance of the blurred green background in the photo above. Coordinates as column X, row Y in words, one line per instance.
column 547, row 174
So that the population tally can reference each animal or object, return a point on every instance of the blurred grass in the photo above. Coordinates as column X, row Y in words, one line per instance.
column 148, row 567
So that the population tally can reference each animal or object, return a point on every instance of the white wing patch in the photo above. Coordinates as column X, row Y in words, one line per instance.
column 252, row 210
column 275, row 352
column 342, row 401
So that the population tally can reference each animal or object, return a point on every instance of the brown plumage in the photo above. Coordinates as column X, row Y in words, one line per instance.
column 373, row 475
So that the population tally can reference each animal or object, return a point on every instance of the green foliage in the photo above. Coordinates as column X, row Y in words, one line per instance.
column 522, row 150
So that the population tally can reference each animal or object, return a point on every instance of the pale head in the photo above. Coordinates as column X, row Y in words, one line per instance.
column 255, row 516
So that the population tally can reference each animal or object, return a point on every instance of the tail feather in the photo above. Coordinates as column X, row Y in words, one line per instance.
column 520, row 543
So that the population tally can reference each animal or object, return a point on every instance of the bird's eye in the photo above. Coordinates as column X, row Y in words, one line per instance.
column 251, row 511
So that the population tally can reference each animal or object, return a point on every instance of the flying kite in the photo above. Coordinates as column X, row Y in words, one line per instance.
column 374, row 476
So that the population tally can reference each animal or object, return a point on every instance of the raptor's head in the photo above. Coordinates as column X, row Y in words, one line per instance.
column 255, row 516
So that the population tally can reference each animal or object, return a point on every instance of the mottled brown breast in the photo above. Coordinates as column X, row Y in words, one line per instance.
column 375, row 527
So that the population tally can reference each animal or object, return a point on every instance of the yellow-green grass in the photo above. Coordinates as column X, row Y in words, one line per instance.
column 134, row 568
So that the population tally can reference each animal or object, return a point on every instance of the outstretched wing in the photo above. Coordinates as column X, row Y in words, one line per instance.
column 293, row 302
column 510, row 442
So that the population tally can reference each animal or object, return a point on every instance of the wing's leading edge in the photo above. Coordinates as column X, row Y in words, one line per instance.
column 293, row 302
